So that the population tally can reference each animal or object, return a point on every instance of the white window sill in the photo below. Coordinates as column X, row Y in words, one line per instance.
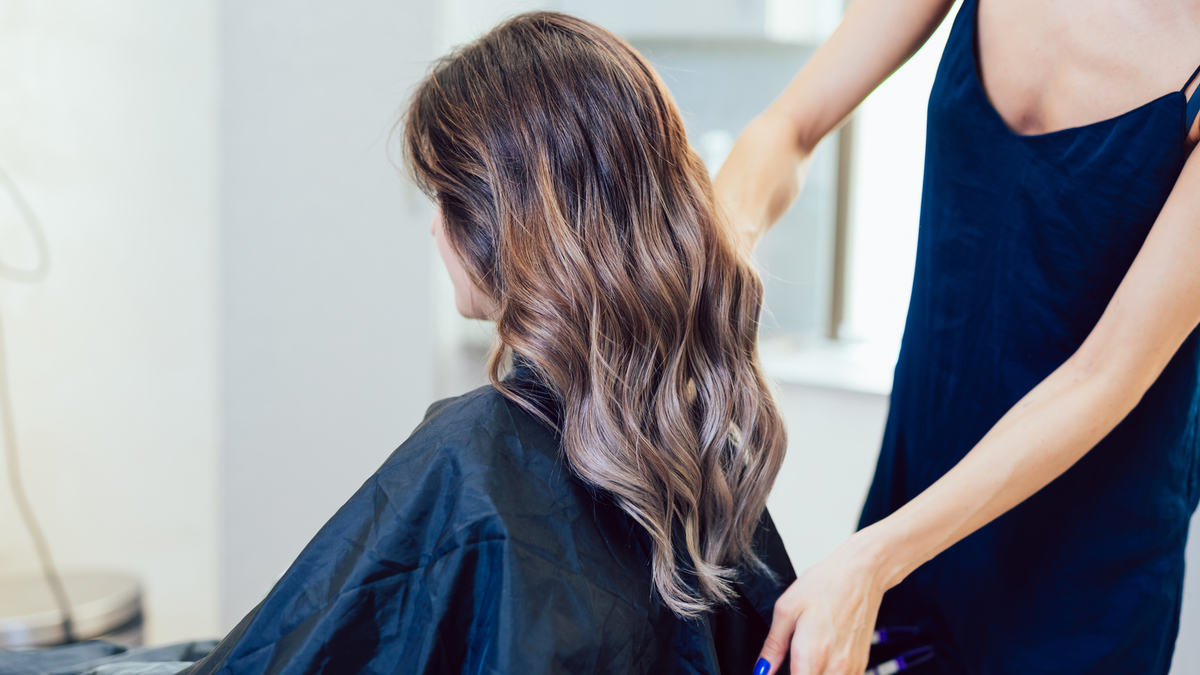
column 861, row 367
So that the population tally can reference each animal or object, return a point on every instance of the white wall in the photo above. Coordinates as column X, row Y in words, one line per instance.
column 313, row 332
column 326, row 330
column 889, row 166
column 833, row 441
column 1187, row 645
column 108, row 121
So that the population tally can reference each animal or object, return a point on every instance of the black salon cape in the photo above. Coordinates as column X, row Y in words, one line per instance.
column 473, row 549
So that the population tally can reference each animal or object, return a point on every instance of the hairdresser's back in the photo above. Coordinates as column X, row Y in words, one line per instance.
column 474, row 550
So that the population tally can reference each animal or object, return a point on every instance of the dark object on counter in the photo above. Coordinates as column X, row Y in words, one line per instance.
column 474, row 549
column 98, row 657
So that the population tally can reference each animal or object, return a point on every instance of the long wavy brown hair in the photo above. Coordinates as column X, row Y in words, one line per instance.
column 570, row 193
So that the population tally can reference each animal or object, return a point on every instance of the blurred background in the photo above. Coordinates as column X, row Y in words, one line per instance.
column 244, row 313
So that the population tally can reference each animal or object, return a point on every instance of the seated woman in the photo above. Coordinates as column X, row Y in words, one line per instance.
column 600, row 507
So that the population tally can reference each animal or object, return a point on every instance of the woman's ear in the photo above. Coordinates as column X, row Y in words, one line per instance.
column 470, row 300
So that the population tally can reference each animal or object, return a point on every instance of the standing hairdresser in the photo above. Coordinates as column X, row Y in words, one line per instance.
column 1039, row 468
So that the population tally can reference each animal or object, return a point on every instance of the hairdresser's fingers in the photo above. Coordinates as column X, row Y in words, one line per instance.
column 783, row 626
column 810, row 653
column 822, row 651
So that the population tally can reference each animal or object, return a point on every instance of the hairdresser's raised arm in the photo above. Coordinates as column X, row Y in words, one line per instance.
column 763, row 174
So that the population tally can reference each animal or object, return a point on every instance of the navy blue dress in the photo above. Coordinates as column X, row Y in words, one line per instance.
column 1023, row 241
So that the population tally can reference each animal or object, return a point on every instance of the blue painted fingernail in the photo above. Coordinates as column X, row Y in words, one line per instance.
column 762, row 667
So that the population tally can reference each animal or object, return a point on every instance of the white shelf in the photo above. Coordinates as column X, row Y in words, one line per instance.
column 858, row 367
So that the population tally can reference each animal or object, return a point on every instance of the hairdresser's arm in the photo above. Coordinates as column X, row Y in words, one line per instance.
column 763, row 174
column 832, row 607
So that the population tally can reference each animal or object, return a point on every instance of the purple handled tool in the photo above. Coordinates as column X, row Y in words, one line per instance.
column 905, row 661
column 890, row 634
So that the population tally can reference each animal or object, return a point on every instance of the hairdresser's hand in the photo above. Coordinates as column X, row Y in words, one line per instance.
column 826, row 618
column 761, row 177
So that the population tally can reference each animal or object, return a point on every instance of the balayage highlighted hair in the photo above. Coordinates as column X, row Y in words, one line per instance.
column 570, row 193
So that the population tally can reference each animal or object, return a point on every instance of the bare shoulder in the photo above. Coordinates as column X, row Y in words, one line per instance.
column 1055, row 65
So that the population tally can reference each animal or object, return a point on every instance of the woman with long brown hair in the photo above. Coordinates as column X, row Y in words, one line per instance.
column 600, row 506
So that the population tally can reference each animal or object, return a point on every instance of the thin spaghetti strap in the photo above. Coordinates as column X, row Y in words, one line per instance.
column 1193, row 104
column 1190, row 79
